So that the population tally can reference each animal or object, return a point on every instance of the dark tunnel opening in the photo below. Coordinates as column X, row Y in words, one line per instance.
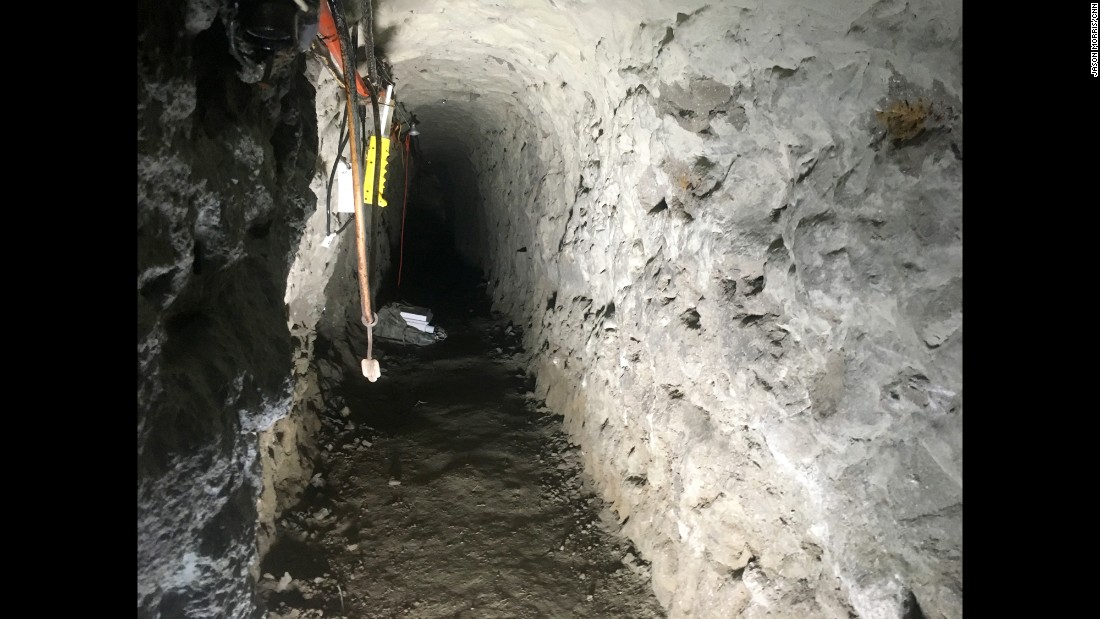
column 435, row 276
column 428, row 270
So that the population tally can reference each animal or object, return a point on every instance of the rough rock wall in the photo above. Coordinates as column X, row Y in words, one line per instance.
column 224, row 166
column 323, row 303
column 742, row 285
column 335, row 329
column 322, row 289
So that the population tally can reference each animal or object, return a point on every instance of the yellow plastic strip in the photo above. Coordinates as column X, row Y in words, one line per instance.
column 368, row 176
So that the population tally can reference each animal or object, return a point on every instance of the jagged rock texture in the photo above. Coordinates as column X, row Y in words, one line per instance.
column 742, row 284
column 224, row 166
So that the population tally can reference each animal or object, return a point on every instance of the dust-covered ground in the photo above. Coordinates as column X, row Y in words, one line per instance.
column 447, row 491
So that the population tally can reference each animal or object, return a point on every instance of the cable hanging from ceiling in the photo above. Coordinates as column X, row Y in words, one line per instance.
column 368, row 153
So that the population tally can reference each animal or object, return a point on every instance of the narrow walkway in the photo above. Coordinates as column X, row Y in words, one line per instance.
column 448, row 492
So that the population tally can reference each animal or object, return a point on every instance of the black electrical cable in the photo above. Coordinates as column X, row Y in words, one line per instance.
column 372, row 66
column 325, row 57
column 332, row 176
column 350, row 71
column 346, row 58
column 321, row 53
column 341, row 229
column 358, row 128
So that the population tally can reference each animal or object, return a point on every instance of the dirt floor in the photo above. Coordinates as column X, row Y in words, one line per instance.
column 448, row 491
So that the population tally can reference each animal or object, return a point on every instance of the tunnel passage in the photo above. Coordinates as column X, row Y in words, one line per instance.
column 432, row 272
column 446, row 489
column 728, row 235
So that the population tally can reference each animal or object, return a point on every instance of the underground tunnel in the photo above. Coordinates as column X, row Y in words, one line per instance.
column 683, row 295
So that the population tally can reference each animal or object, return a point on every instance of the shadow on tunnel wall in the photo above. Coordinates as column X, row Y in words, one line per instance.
column 224, row 166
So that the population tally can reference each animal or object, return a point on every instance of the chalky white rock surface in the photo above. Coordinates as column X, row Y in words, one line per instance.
column 744, row 299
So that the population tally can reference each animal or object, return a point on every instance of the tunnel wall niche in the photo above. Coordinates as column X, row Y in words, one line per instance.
column 743, row 283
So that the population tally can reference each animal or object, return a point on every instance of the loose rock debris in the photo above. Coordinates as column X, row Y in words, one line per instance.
column 447, row 490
